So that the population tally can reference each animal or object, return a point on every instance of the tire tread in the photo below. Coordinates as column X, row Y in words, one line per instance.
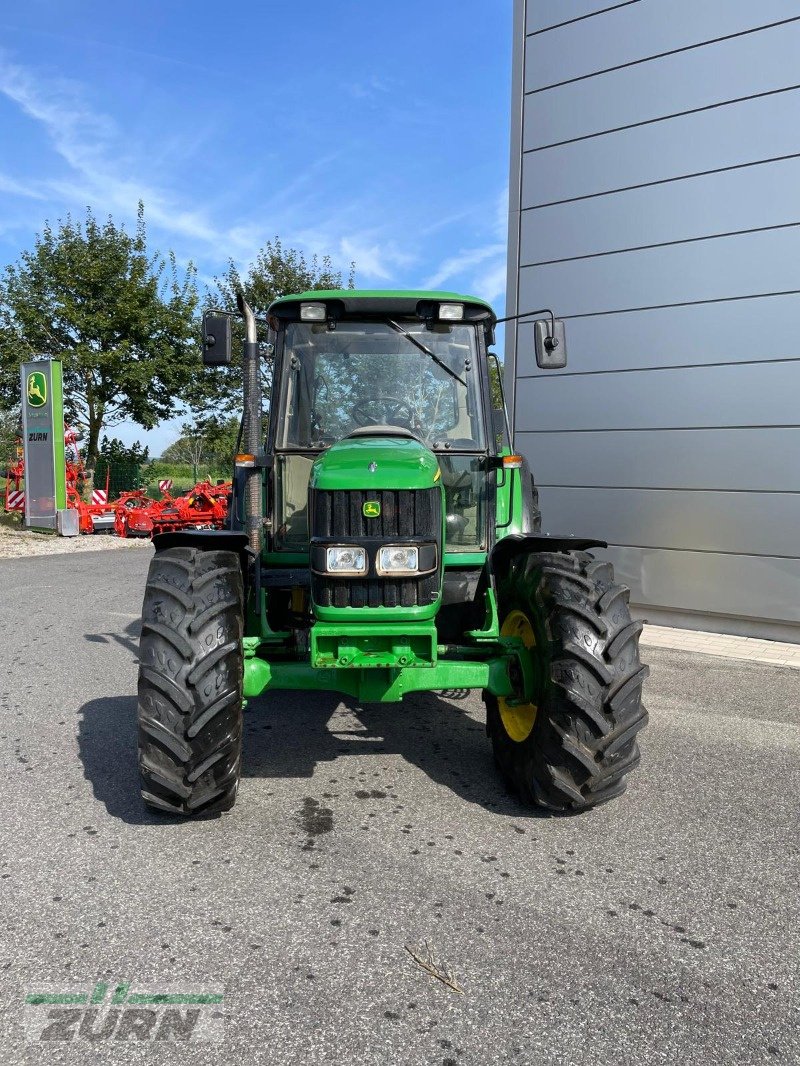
column 190, row 682
column 584, row 740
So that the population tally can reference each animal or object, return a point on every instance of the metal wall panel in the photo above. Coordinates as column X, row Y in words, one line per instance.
column 744, row 460
column 662, row 151
column 544, row 13
column 739, row 331
column 627, row 34
column 705, row 208
column 675, row 430
column 738, row 586
column 739, row 394
column 708, row 270
column 742, row 66
column 747, row 523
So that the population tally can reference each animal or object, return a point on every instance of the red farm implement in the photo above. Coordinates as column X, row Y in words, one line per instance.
column 92, row 516
column 95, row 516
column 14, row 498
column 203, row 507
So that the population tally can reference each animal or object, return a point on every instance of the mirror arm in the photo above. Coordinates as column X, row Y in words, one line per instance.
column 262, row 320
column 551, row 342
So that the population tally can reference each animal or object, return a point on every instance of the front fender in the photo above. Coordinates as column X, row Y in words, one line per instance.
column 524, row 543
column 226, row 540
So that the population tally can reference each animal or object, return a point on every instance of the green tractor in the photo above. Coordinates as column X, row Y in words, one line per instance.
column 384, row 539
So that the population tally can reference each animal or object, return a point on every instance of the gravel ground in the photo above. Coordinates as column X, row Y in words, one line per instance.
column 20, row 543
column 661, row 928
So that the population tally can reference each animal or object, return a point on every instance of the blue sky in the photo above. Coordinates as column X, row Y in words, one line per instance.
column 375, row 132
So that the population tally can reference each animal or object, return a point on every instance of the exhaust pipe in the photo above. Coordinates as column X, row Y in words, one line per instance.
column 251, row 372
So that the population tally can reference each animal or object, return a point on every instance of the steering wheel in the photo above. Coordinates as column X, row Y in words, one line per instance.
column 392, row 408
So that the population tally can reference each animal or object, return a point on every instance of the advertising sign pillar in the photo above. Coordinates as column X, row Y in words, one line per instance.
column 43, row 442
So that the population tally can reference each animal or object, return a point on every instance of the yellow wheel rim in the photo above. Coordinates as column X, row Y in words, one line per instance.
column 518, row 718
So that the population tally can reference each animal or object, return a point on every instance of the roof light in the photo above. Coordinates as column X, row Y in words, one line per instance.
column 313, row 312
column 451, row 312
column 512, row 462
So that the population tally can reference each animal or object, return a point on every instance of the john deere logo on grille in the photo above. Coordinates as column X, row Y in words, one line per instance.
column 37, row 389
column 371, row 509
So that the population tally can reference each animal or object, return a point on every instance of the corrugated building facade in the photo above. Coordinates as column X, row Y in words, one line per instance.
column 654, row 205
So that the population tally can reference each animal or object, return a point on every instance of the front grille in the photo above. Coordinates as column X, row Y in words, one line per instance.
column 406, row 515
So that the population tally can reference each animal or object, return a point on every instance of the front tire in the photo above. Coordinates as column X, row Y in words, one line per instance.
column 190, row 682
column 571, row 742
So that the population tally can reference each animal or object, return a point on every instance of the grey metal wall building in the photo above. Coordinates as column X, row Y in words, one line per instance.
column 655, row 204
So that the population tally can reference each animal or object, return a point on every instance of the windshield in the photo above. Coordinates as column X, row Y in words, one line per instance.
column 372, row 374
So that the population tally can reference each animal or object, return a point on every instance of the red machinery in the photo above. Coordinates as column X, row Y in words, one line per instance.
column 14, row 499
column 203, row 507
column 91, row 516
column 134, row 514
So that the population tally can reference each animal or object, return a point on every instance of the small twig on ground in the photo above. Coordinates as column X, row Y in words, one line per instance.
column 434, row 968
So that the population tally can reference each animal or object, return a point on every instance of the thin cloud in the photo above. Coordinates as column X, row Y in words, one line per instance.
column 17, row 188
column 491, row 283
column 457, row 265
column 369, row 88
column 374, row 260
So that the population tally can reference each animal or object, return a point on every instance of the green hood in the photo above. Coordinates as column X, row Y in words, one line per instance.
column 399, row 463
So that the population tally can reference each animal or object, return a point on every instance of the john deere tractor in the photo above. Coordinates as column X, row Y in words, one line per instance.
column 384, row 538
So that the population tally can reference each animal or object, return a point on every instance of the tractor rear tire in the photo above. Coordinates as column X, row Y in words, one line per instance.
column 573, row 744
column 190, row 682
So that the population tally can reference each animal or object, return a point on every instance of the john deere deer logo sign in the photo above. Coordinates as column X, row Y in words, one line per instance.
column 372, row 509
column 37, row 389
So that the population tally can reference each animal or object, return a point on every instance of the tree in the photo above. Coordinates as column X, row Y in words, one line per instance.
column 190, row 448
column 10, row 437
column 120, row 463
column 116, row 452
column 216, row 396
column 206, row 442
column 121, row 320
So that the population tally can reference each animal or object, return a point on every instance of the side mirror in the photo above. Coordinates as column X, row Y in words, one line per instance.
column 550, row 341
column 216, row 340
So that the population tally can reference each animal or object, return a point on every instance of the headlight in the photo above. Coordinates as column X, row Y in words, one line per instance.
column 398, row 559
column 346, row 560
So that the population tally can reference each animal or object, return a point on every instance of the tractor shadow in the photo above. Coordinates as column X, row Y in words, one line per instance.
column 107, row 735
column 294, row 735
column 107, row 749
column 129, row 639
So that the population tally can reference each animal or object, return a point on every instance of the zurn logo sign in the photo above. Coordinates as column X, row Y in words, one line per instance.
column 116, row 1014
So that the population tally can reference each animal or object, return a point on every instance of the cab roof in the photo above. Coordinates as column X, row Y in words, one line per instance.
column 381, row 301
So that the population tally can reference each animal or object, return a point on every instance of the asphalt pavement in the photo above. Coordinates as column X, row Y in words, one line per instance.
column 660, row 928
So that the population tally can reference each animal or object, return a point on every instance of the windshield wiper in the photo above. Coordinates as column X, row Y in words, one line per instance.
column 423, row 348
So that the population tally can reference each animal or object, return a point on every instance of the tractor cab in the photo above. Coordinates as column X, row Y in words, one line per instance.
column 376, row 379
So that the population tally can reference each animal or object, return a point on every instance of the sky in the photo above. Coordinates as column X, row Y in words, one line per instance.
column 374, row 132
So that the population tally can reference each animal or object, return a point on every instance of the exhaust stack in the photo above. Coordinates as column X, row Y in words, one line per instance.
column 251, row 372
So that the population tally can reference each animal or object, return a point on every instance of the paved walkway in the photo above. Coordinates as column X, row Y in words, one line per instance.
column 731, row 647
